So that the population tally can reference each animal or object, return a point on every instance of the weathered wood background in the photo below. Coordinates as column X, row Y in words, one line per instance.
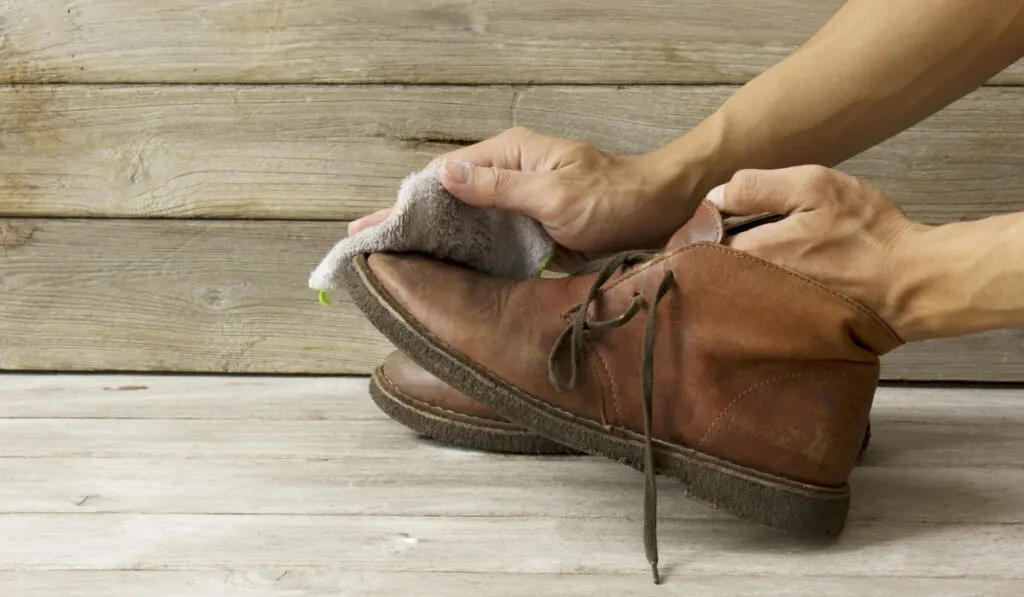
column 171, row 172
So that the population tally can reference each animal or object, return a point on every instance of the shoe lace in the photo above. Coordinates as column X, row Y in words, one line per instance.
column 574, row 336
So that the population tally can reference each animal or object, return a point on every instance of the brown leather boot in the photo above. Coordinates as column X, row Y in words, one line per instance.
column 432, row 408
column 427, row 405
column 750, row 383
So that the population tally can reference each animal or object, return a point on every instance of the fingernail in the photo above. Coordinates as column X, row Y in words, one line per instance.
column 717, row 196
column 458, row 172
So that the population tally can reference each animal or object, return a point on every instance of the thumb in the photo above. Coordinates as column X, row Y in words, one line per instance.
column 751, row 192
column 513, row 190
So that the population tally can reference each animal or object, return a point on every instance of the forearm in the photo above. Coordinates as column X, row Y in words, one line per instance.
column 961, row 278
column 876, row 68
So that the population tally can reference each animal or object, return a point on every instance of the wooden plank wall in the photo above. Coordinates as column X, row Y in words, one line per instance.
column 171, row 172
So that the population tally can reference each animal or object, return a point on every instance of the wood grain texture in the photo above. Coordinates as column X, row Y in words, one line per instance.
column 318, row 446
column 436, row 483
column 484, row 544
column 390, row 514
column 273, row 398
column 326, row 153
column 913, row 474
column 915, row 444
column 367, row 41
column 221, row 296
column 293, row 581
column 172, row 296
column 248, row 397
column 1000, row 352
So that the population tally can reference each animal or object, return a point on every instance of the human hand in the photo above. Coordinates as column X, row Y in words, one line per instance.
column 837, row 230
column 589, row 201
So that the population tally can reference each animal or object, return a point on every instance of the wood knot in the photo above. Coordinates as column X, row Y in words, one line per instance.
column 14, row 234
column 215, row 298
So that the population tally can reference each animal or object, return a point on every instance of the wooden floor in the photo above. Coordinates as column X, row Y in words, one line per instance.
column 297, row 486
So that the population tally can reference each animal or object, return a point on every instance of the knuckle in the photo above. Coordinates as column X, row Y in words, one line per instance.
column 519, row 131
column 579, row 152
column 814, row 172
column 497, row 181
column 818, row 180
column 744, row 182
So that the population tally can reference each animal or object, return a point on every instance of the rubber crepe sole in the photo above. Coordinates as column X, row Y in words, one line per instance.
column 762, row 498
column 457, row 429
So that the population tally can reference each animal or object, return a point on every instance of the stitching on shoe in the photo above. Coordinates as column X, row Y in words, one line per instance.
column 717, row 217
column 719, row 221
column 761, row 384
column 565, row 315
column 611, row 384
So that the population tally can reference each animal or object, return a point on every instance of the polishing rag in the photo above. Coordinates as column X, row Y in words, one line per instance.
column 427, row 219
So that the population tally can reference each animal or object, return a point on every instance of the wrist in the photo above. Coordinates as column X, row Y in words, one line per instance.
column 957, row 279
column 913, row 306
column 684, row 170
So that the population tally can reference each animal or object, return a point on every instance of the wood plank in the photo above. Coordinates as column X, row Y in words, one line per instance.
column 207, row 397
column 221, row 297
column 902, row 444
column 290, row 581
column 516, row 545
column 315, row 152
column 432, row 481
column 363, row 41
column 909, row 443
column 313, row 398
column 951, row 456
column 999, row 352
column 174, row 295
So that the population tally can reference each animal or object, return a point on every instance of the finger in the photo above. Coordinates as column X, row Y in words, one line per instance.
column 357, row 226
column 489, row 153
column 751, row 192
column 763, row 240
column 524, row 192
column 503, row 150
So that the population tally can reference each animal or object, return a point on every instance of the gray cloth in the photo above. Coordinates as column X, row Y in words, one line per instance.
column 428, row 219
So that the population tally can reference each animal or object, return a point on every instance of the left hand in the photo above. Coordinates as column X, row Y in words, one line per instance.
column 837, row 230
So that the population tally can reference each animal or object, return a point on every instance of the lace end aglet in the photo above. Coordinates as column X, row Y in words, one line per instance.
column 654, row 573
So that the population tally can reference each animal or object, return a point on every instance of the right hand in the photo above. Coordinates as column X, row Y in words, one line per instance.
column 837, row 230
column 589, row 201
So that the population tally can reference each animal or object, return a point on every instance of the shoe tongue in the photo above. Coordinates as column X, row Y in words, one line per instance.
column 705, row 225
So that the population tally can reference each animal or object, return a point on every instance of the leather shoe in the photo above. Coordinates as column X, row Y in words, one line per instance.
column 748, row 382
